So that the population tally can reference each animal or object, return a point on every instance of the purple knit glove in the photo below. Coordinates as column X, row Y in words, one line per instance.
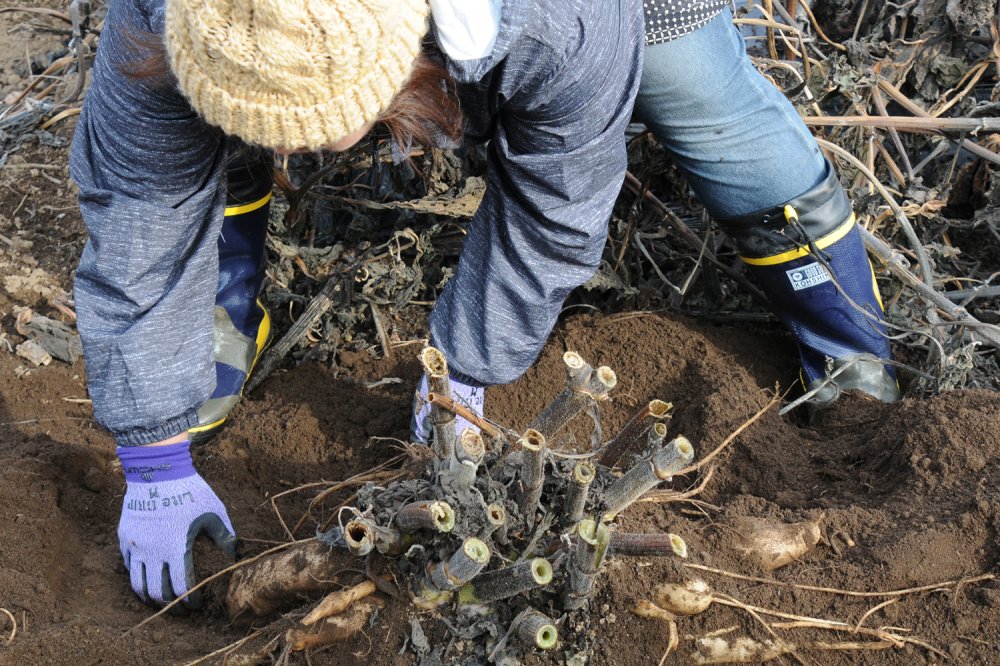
column 465, row 395
column 167, row 504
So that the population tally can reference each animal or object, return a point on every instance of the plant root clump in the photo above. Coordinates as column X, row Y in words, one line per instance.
column 503, row 532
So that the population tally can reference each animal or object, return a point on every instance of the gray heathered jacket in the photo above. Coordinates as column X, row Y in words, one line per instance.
column 553, row 100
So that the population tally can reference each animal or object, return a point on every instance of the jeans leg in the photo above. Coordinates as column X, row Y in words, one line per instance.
column 740, row 141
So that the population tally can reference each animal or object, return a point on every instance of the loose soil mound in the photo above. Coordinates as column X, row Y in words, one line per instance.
column 915, row 487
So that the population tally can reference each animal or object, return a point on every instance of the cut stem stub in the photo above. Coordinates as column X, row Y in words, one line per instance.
column 577, row 491
column 427, row 515
column 583, row 386
column 646, row 474
column 507, row 582
column 536, row 628
column 633, row 432
column 630, row 544
column 532, row 473
column 592, row 544
column 464, row 565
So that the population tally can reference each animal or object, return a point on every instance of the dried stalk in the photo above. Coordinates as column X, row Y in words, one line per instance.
column 583, row 386
column 507, row 582
column 908, row 104
column 535, row 628
column 426, row 515
column 897, row 265
column 577, row 491
column 691, row 238
column 533, row 446
column 634, row 430
column 461, row 410
column 646, row 474
column 972, row 125
column 592, row 544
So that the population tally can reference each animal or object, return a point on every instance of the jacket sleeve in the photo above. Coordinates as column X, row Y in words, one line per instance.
column 151, row 195
column 556, row 163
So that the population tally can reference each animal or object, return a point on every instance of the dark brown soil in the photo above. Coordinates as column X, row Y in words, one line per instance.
column 913, row 485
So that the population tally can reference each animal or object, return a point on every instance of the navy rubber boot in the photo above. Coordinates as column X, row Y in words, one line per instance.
column 242, row 324
column 809, row 259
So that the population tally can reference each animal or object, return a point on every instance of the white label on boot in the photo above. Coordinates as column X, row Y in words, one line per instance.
column 807, row 276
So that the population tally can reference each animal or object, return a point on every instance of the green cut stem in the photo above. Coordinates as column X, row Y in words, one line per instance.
column 633, row 432
column 537, row 629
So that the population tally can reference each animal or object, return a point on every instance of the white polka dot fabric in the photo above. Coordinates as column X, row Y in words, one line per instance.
column 670, row 19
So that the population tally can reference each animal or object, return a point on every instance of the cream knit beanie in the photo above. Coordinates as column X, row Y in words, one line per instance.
column 293, row 74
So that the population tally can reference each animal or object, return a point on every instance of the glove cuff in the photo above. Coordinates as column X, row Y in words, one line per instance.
column 152, row 464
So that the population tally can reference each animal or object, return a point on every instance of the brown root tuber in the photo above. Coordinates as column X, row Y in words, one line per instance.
column 771, row 544
column 269, row 584
column 333, row 629
column 337, row 602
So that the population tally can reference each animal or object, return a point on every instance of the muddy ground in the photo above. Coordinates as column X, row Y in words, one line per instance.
column 908, row 494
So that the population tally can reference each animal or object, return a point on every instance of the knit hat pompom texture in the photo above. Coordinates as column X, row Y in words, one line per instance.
column 293, row 74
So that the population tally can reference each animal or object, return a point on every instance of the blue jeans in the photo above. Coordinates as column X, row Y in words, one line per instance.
column 740, row 141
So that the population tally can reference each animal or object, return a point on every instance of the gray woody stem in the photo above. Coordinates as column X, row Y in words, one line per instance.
column 468, row 456
column 634, row 431
column 583, row 385
column 495, row 523
column 577, row 491
column 629, row 544
column 436, row 368
column 533, row 447
column 646, row 474
column 464, row 565
column 507, row 582
column 592, row 544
